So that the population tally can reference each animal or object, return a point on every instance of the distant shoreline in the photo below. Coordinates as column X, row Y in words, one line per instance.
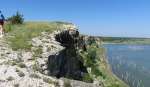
column 122, row 40
column 126, row 43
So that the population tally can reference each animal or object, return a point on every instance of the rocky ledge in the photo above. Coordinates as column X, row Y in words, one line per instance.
column 52, row 59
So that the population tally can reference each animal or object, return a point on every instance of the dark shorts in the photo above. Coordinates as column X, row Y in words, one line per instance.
column 1, row 22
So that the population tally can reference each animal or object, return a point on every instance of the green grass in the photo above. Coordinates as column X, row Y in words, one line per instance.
column 21, row 65
column 34, row 75
column 19, row 36
column 67, row 83
column 10, row 78
column 95, row 59
column 87, row 78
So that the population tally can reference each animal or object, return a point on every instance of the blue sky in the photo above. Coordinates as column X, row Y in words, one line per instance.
column 127, row 18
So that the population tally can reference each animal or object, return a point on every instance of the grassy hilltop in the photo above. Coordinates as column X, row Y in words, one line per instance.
column 20, row 35
column 19, row 38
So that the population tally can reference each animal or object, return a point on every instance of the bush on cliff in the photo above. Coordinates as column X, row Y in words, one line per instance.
column 91, row 58
column 94, row 60
column 16, row 19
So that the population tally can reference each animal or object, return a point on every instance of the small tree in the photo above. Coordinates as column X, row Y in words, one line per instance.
column 16, row 19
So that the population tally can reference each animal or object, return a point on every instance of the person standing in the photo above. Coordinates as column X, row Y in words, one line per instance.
column 2, row 19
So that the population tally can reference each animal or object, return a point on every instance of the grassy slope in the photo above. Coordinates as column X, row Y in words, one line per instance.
column 122, row 40
column 19, row 37
column 95, row 59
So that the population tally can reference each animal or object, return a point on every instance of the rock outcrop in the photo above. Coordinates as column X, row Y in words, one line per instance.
column 67, row 63
column 68, row 38
column 51, row 55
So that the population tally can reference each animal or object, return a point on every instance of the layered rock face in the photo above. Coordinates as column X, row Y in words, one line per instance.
column 68, row 38
column 52, row 54
column 67, row 63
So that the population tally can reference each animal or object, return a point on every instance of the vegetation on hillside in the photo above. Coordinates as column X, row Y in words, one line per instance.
column 95, row 61
column 126, row 40
column 20, row 35
column 16, row 19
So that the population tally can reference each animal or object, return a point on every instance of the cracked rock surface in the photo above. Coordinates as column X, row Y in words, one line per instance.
column 29, row 68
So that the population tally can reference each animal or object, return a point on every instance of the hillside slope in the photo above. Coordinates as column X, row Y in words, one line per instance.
column 52, row 55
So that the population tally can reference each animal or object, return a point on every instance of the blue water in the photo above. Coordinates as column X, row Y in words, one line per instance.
column 131, row 63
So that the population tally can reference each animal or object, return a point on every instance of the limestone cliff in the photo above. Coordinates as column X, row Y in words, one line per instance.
column 52, row 55
column 62, row 58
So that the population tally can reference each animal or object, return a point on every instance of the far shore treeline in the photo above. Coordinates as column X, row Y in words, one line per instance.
column 126, row 40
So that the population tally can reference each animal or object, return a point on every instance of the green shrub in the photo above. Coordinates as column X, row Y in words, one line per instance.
column 10, row 78
column 87, row 78
column 97, row 72
column 114, row 85
column 47, row 80
column 16, row 85
column 36, row 67
column 21, row 65
column 21, row 74
column 67, row 83
column 34, row 75
column 16, row 19
column 91, row 59
column 38, row 51
column 7, row 28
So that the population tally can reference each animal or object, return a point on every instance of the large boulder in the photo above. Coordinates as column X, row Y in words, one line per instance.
column 67, row 63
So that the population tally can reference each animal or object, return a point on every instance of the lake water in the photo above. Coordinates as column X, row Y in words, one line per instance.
column 131, row 63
